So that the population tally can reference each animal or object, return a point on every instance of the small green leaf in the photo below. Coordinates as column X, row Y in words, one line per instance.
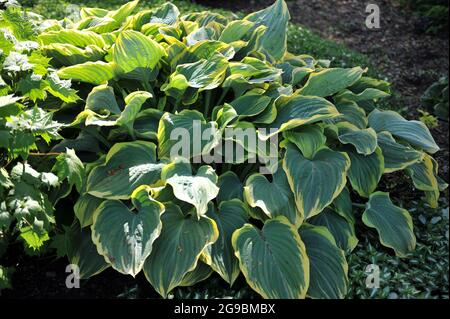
column 394, row 224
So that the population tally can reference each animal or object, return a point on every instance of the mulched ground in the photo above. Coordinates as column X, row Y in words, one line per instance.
column 401, row 50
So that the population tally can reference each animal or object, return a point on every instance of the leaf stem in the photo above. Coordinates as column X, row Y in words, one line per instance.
column 222, row 96
column 208, row 95
column 359, row 205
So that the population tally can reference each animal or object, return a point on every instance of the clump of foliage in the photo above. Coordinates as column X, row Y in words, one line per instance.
column 141, row 76
column 435, row 98
column 435, row 11
column 28, row 188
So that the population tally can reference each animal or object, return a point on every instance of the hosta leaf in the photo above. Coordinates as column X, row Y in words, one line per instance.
column 102, row 98
column 69, row 166
column 273, row 260
column 308, row 138
column 317, row 181
column 328, row 266
column 330, row 81
column 178, row 248
column 414, row 132
column 352, row 113
column 364, row 140
column 274, row 198
column 68, row 54
column 125, row 237
column 425, row 177
column 230, row 216
column 250, row 104
column 123, row 11
column 90, row 72
column 178, row 132
column 166, row 14
column 393, row 224
column 200, row 75
column 396, row 156
column 342, row 230
column 134, row 50
column 275, row 18
column 367, row 94
column 197, row 189
column 343, row 205
column 365, row 171
column 200, row 273
column 85, row 207
column 82, row 252
column 300, row 110
column 230, row 187
column 79, row 38
column 235, row 31
column 128, row 165
column 134, row 102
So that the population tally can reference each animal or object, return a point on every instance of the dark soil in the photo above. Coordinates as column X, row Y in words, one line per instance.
column 401, row 50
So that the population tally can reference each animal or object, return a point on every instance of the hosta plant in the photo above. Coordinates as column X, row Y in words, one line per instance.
column 172, row 187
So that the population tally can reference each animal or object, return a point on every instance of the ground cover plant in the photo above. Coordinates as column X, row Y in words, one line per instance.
column 113, row 87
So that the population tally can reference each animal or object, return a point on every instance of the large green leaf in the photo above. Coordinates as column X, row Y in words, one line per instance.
column 352, row 113
column 425, row 177
column 364, row 140
column 230, row 187
column 134, row 102
column 235, row 31
column 251, row 103
column 134, row 50
column 230, row 216
column 330, row 81
column 180, row 135
column 102, row 98
column 196, row 190
column 396, row 156
column 343, row 205
column 198, row 76
column 317, row 181
column 394, row 224
column 85, row 207
column 178, row 248
column 200, row 273
column 300, row 110
column 273, row 260
column 79, row 38
column 91, row 72
column 365, row 171
column 328, row 266
column 127, row 166
column 82, row 252
column 274, row 198
column 275, row 18
column 308, row 138
column 414, row 132
column 342, row 230
column 125, row 237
